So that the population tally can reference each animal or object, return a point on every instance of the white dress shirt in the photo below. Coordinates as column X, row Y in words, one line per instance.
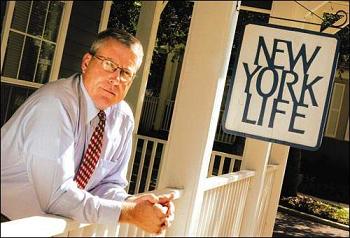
column 42, row 145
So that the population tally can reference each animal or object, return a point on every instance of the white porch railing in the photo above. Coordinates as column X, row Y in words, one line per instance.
column 149, row 110
column 147, row 158
column 221, row 211
column 221, row 157
column 167, row 115
column 145, row 162
column 51, row 225
column 223, row 204
column 148, row 114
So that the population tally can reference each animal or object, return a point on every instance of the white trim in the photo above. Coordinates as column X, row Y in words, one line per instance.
column 341, row 3
column 225, row 179
column 254, row 9
column 19, row 82
column 313, row 10
column 62, row 32
column 32, row 36
column 10, row 6
column 342, row 86
column 335, row 109
column 106, row 10
column 24, row 41
column 164, row 5
column 48, row 225
column 41, row 43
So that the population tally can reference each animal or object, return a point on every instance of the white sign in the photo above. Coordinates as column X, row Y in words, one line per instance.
column 282, row 85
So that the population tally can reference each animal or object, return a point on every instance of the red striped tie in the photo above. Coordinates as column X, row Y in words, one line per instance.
column 92, row 154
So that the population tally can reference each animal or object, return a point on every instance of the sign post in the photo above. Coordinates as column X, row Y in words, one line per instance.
column 282, row 85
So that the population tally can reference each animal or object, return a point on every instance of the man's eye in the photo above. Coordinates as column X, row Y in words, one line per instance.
column 127, row 73
column 110, row 64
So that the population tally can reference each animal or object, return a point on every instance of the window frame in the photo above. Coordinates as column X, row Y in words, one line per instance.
column 57, row 56
column 339, row 88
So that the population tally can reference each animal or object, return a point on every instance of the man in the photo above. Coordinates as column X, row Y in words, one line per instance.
column 48, row 162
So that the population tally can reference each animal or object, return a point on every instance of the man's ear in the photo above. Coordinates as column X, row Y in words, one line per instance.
column 85, row 62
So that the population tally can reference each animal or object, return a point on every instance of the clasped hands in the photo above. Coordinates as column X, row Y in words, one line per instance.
column 152, row 213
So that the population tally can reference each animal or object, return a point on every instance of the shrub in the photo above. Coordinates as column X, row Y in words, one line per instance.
column 318, row 208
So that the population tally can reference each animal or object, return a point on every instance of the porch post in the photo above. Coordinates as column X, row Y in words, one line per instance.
column 279, row 156
column 255, row 157
column 146, row 32
column 279, row 152
column 166, row 89
column 106, row 10
column 196, row 109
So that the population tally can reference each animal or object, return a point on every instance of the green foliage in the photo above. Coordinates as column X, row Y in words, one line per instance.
column 173, row 26
column 171, row 36
column 124, row 15
column 318, row 208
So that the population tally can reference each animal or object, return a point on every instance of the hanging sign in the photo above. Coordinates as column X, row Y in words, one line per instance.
column 282, row 85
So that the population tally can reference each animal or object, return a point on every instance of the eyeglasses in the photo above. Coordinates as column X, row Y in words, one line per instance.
column 109, row 66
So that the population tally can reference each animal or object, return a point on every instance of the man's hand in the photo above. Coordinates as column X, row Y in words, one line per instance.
column 167, row 201
column 151, row 213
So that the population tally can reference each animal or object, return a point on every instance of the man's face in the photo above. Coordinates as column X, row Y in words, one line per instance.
column 104, row 87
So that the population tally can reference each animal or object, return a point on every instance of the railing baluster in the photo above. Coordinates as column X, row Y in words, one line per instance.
column 232, row 163
column 150, row 167
column 221, row 167
column 160, row 164
column 211, row 165
column 142, row 161
column 223, row 204
column 230, row 211
column 131, row 162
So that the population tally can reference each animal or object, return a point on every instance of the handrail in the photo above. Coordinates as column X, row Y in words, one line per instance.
column 50, row 225
column 39, row 226
column 218, row 181
column 151, row 139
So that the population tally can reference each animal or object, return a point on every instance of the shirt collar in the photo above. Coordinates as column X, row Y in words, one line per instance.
column 91, row 109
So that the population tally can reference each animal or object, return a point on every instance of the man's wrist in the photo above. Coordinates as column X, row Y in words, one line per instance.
column 126, row 214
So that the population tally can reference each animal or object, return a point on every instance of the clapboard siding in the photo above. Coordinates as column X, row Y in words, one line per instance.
column 80, row 36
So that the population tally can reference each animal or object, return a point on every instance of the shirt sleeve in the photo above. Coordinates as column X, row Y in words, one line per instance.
column 113, row 185
column 48, row 136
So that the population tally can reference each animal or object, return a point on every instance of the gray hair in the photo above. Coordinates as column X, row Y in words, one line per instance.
column 121, row 36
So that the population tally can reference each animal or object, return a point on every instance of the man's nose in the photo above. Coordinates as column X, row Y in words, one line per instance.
column 116, row 76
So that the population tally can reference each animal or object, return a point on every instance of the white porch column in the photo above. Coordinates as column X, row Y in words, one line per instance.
column 279, row 156
column 197, row 107
column 147, row 33
column 106, row 10
column 255, row 157
column 166, row 89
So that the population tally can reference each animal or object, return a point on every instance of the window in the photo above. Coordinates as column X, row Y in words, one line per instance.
column 32, row 37
column 32, row 40
column 334, row 110
column 12, row 98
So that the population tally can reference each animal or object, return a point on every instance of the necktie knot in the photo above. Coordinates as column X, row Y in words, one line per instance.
column 102, row 115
